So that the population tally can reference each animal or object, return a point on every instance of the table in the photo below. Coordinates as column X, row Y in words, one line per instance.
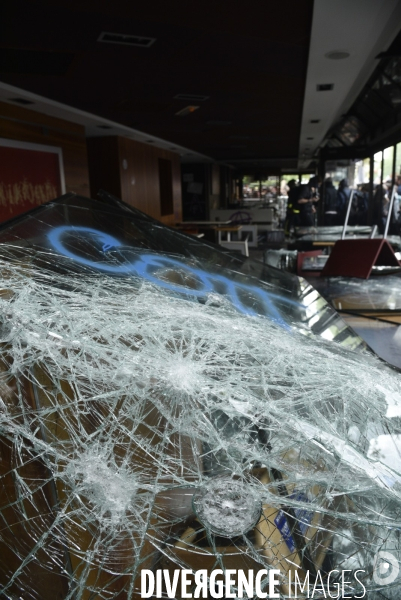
column 253, row 230
column 202, row 223
column 230, row 244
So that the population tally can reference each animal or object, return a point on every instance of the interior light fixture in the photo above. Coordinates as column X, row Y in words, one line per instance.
column 186, row 111
column 314, row 121
column 324, row 87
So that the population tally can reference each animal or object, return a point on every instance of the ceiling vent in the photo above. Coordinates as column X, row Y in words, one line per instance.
column 126, row 40
column 325, row 87
column 191, row 97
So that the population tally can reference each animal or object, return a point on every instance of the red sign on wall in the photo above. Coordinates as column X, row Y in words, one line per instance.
column 28, row 177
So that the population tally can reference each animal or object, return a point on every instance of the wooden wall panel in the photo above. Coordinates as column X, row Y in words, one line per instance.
column 140, row 180
column 27, row 125
column 138, row 184
column 177, row 193
column 135, row 184
column 130, row 170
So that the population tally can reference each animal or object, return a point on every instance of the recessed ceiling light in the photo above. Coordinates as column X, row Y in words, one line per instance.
column 21, row 101
column 314, row 121
column 337, row 54
column 325, row 87
column 186, row 111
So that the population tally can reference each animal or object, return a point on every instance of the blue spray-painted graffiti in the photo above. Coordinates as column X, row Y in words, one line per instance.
column 148, row 266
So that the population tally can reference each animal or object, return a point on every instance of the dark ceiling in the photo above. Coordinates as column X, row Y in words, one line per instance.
column 248, row 58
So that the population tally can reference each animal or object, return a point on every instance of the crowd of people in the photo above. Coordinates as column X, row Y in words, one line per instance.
column 336, row 203
column 303, row 199
column 381, row 206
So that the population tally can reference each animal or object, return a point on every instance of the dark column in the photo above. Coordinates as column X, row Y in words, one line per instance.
column 370, row 207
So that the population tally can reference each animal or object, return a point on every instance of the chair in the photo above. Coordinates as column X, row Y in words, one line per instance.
column 241, row 245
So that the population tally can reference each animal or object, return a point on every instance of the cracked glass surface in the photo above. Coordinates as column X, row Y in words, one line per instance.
column 166, row 405
column 374, row 294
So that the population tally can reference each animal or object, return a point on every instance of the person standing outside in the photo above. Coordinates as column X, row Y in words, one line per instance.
column 292, row 217
column 305, row 206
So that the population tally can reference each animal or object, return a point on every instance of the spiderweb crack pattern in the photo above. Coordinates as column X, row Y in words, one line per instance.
column 120, row 401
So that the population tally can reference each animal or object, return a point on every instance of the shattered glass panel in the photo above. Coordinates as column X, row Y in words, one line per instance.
column 89, row 235
column 310, row 241
column 383, row 337
column 372, row 307
column 374, row 294
column 169, row 408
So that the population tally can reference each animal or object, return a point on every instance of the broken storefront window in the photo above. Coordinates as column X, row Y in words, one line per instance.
column 165, row 406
